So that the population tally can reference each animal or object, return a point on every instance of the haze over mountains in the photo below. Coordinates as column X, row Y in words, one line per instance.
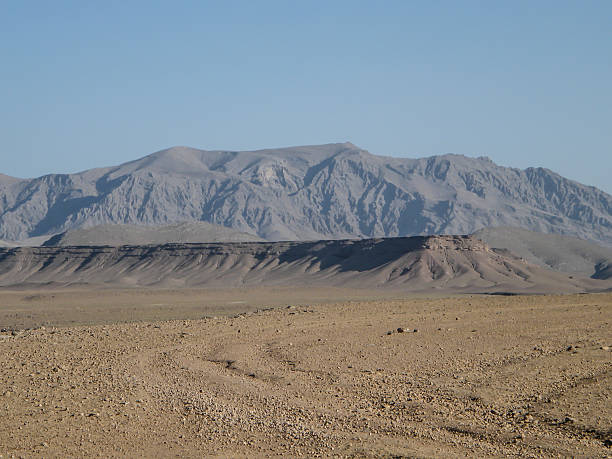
column 330, row 191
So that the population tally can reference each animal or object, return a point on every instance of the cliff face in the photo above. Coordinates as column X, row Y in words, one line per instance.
column 442, row 263
column 307, row 193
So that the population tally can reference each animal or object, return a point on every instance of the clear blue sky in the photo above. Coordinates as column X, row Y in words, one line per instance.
column 96, row 83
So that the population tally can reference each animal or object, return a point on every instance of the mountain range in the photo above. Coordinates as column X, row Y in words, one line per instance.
column 418, row 264
column 116, row 235
column 334, row 191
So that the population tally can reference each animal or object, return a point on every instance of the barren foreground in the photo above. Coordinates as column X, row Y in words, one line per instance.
column 482, row 376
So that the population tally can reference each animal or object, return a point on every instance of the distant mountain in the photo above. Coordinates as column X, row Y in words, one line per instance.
column 116, row 235
column 29, row 242
column 418, row 264
column 560, row 253
column 307, row 193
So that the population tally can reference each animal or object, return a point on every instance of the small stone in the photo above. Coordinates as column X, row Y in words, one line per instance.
column 401, row 330
column 605, row 348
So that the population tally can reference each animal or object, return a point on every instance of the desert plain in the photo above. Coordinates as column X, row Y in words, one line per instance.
column 317, row 372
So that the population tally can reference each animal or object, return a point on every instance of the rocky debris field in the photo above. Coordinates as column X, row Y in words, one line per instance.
column 477, row 376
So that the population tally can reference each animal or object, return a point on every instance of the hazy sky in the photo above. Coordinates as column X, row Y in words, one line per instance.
column 96, row 83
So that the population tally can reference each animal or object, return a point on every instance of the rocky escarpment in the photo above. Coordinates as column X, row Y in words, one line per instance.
column 307, row 193
column 443, row 263
column 552, row 251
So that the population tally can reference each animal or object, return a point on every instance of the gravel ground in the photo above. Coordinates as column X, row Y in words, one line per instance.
column 516, row 376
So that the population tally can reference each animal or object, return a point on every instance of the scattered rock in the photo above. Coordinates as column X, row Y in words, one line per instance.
column 388, row 402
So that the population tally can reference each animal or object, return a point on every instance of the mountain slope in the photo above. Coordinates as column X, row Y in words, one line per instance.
column 436, row 263
column 307, row 193
column 141, row 235
column 560, row 253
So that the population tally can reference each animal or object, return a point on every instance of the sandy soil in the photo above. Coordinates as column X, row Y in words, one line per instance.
column 481, row 377
column 24, row 309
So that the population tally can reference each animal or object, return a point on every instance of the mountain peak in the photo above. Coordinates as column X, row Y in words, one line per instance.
column 176, row 150
column 326, row 191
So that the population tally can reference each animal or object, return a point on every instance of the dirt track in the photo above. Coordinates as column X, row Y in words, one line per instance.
column 482, row 376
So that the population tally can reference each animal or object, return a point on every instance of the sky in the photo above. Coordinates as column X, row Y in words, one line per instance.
column 87, row 84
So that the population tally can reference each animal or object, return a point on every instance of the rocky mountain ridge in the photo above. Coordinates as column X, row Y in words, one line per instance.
column 330, row 191
column 186, row 232
column 427, row 264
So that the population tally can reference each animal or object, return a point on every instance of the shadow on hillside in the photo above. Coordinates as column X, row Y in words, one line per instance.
column 351, row 255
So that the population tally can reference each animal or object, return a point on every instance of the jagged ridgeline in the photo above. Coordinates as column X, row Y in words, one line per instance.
column 307, row 193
